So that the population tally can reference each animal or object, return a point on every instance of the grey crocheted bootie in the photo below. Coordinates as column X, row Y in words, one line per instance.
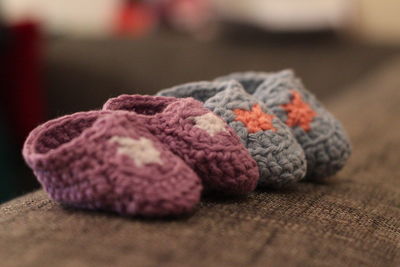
column 280, row 158
column 322, row 137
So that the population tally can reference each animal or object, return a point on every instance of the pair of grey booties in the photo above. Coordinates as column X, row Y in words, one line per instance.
column 285, row 129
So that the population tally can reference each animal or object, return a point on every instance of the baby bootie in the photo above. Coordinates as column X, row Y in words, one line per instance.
column 200, row 138
column 104, row 160
column 322, row 137
column 279, row 157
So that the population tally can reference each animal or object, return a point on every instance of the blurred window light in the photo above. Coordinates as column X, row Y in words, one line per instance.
column 287, row 15
column 72, row 17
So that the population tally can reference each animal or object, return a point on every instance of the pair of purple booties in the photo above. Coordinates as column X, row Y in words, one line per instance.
column 140, row 155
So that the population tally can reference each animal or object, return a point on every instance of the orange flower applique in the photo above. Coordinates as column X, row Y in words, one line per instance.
column 299, row 113
column 255, row 119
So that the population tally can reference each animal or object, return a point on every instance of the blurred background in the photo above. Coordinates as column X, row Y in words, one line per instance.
column 64, row 56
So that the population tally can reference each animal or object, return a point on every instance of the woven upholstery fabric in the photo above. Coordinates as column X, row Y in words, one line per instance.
column 204, row 141
column 97, row 160
column 321, row 135
column 350, row 220
column 279, row 157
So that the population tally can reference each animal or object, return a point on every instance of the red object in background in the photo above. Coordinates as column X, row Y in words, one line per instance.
column 22, row 95
column 188, row 15
column 134, row 19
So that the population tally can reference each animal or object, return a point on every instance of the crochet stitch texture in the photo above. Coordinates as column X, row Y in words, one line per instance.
column 269, row 141
column 320, row 134
column 202, row 139
column 110, row 161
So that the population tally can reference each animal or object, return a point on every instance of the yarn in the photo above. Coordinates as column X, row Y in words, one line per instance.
column 103, row 160
column 279, row 157
column 298, row 112
column 255, row 119
column 322, row 137
column 202, row 139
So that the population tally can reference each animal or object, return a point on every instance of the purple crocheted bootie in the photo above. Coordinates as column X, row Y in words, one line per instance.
column 109, row 161
column 203, row 140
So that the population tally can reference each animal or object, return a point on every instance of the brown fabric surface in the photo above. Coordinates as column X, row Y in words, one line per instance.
column 103, row 68
column 351, row 220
